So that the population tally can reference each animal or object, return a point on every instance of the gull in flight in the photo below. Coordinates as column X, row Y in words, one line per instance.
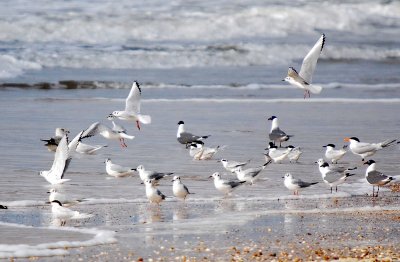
column 225, row 186
column 98, row 128
column 304, row 78
column 179, row 189
column 334, row 155
column 231, row 166
column 366, row 149
column 52, row 142
column 88, row 149
column 63, row 214
column 276, row 134
column 375, row 178
column 153, row 194
column 186, row 138
column 333, row 176
column 117, row 170
column 294, row 184
column 132, row 107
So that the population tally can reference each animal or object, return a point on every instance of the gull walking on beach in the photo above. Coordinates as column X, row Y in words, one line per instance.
column 132, row 107
column 304, row 78
column 187, row 138
column 366, row 149
column 225, row 186
column 250, row 175
column 117, row 170
column 334, row 155
column 150, row 175
column 294, row 184
column 63, row 214
column 153, row 194
column 179, row 189
column 375, row 178
column 276, row 134
column 333, row 176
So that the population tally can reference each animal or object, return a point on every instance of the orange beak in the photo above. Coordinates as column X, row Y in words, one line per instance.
column 346, row 139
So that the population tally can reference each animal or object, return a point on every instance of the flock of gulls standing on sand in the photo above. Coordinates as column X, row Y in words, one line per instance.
column 332, row 174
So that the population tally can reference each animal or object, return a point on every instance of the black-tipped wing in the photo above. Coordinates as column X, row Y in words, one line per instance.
column 158, row 176
column 375, row 177
column 95, row 129
column 186, row 138
column 310, row 61
column 234, row 184
column 132, row 103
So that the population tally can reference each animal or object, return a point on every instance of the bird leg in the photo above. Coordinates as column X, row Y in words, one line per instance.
column 137, row 124
column 336, row 188
column 122, row 143
column 377, row 192
column 331, row 190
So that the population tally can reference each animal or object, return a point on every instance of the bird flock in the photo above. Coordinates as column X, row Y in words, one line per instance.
column 332, row 174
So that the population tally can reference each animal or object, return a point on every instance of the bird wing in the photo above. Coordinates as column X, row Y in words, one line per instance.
column 132, row 103
column 119, row 169
column 158, row 176
column 232, row 183
column 374, row 177
column 186, row 137
column 293, row 74
column 95, row 129
column 310, row 61
column 186, row 189
column 60, row 160
column 276, row 133
column 363, row 148
column 332, row 177
column 72, row 146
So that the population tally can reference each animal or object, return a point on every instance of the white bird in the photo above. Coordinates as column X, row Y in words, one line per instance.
column 99, row 129
column 60, row 164
column 88, row 149
column 179, row 189
column 278, row 155
column 294, row 154
column 333, row 176
column 64, row 214
column 332, row 154
column 231, row 166
column 186, row 138
column 375, row 178
column 199, row 152
column 132, row 107
column 117, row 170
column 250, row 175
column 153, row 194
column 366, row 149
column 150, row 175
column 276, row 134
column 304, row 78
column 54, row 194
column 225, row 186
column 294, row 184
column 52, row 142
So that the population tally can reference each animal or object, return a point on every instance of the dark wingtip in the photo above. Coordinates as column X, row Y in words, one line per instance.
column 323, row 41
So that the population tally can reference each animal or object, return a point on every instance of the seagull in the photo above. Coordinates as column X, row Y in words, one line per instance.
column 295, row 184
column 304, row 78
column 117, row 127
column 60, row 164
column 225, row 186
column 231, row 166
column 278, row 155
column 366, row 149
column 52, row 143
column 185, row 137
column 150, row 175
column 333, row 154
column 88, row 149
column 117, row 170
column 62, row 198
column 179, row 189
column 199, row 152
column 64, row 214
column 294, row 154
column 333, row 176
column 375, row 178
column 250, row 175
column 276, row 134
column 153, row 194
column 132, row 107
column 103, row 130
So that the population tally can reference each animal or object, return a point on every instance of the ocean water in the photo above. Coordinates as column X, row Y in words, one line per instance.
column 218, row 66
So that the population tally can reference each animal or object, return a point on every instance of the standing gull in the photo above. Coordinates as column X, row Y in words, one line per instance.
column 294, row 184
column 276, row 134
column 150, row 175
column 250, row 175
column 63, row 214
column 52, row 142
column 278, row 155
column 117, row 170
column 375, row 178
column 333, row 154
column 333, row 176
column 179, row 189
column 304, row 78
column 366, row 149
column 99, row 129
column 294, row 154
column 231, row 165
column 186, row 138
column 199, row 152
column 225, row 186
column 153, row 194
column 132, row 107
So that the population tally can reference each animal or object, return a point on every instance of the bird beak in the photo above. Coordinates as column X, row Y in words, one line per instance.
column 210, row 176
column 142, row 183
column 365, row 163
column 346, row 139
column 48, row 192
column 283, row 79
column 323, row 146
column 283, row 177
column 316, row 162
column 134, row 169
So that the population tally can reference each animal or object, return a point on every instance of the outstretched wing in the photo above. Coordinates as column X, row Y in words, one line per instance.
column 60, row 160
column 132, row 103
column 310, row 61
column 94, row 129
